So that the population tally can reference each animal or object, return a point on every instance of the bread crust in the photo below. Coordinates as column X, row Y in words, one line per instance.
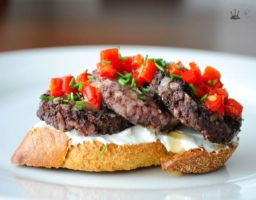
column 50, row 148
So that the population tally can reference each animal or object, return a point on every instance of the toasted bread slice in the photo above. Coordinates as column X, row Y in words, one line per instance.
column 51, row 148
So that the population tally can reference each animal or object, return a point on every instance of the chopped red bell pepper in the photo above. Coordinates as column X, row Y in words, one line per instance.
column 106, row 70
column 221, row 91
column 215, row 103
column 197, row 72
column 175, row 68
column 93, row 96
column 233, row 108
column 189, row 76
column 211, row 75
column 200, row 92
column 66, row 85
column 83, row 78
column 110, row 55
column 56, row 87
column 139, row 81
column 137, row 61
column 148, row 71
column 126, row 65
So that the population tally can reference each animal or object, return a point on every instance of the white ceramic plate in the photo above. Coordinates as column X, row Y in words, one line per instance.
column 26, row 74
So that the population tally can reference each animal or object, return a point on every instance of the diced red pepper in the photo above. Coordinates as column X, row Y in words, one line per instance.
column 56, row 87
column 175, row 69
column 137, row 61
column 200, row 92
column 221, row 91
column 66, row 85
column 215, row 103
column 126, row 65
column 189, row 76
column 110, row 55
column 233, row 108
column 83, row 78
column 93, row 96
column 211, row 74
column 107, row 70
column 219, row 84
column 196, row 70
column 139, row 81
column 148, row 71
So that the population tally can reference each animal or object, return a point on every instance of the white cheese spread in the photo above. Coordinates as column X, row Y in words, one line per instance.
column 177, row 141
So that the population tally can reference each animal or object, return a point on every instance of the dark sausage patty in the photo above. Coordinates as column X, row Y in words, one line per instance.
column 179, row 99
column 66, row 116
column 125, row 102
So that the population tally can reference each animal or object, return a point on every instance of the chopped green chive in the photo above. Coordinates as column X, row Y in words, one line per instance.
column 80, row 87
column 159, row 67
column 142, row 97
column 57, row 99
column 123, row 57
column 80, row 105
column 71, row 84
column 123, row 81
column 146, row 90
column 139, row 91
column 71, row 96
column 46, row 98
column 193, row 89
column 103, row 149
column 175, row 76
column 120, row 74
column 91, row 78
column 146, row 58
column 128, row 75
column 215, row 82
column 204, row 97
column 106, row 62
column 133, row 83
column 160, row 64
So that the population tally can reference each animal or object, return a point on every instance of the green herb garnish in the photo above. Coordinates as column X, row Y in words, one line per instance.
column 124, row 78
column 106, row 62
column 160, row 64
column 103, row 150
column 142, row 97
column 80, row 105
column 146, row 58
column 91, row 78
column 71, row 83
column 139, row 91
column 46, row 98
column 133, row 83
column 204, row 97
column 123, row 57
column 123, row 81
column 71, row 96
column 146, row 90
column 175, row 76
column 193, row 89
column 215, row 82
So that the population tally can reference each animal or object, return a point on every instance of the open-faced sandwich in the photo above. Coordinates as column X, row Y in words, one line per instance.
column 134, row 112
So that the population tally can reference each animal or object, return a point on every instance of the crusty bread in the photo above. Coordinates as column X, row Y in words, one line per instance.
column 51, row 148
